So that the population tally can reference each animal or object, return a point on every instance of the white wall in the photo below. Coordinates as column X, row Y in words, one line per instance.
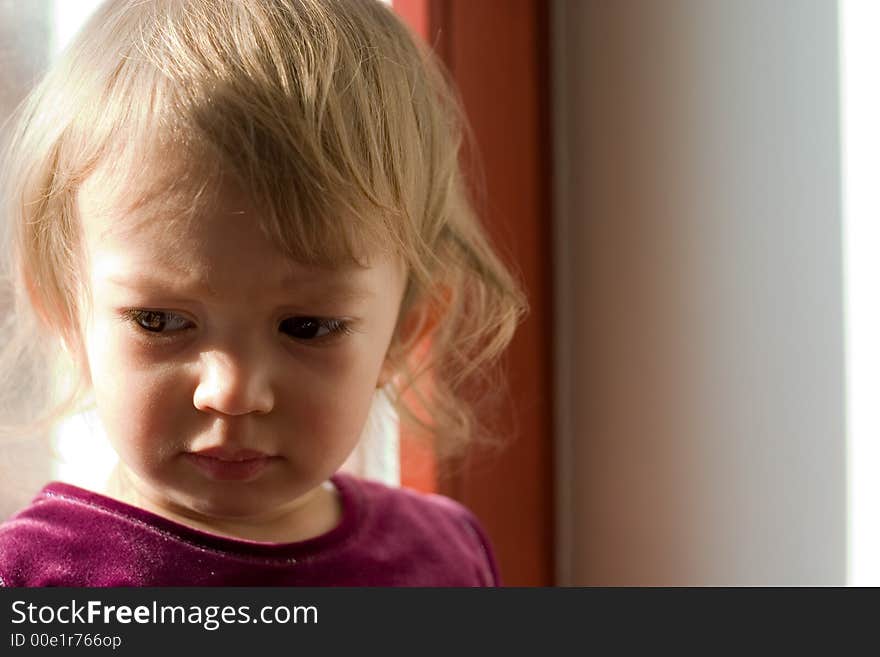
column 25, row 28
column 700, row 323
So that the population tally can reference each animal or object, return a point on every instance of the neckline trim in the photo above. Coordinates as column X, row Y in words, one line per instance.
column 351, row 501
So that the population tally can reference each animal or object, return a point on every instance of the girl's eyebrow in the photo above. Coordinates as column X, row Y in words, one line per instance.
column 335, row 289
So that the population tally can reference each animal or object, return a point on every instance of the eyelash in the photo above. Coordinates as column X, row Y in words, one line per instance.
column 333, row 327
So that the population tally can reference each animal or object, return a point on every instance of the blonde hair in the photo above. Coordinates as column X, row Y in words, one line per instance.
column 338, row 122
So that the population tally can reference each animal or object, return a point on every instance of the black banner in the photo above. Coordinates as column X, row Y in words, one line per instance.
column 332, row 620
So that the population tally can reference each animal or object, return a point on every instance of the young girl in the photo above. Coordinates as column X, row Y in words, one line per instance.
column 238, row 220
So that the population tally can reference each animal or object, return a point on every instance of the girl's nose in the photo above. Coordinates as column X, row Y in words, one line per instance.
column 233, row 385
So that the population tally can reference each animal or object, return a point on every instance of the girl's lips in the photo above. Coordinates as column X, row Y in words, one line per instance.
column 225, row 454
column 230, row 466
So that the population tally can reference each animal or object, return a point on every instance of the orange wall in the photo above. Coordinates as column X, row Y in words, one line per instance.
column 497, row 52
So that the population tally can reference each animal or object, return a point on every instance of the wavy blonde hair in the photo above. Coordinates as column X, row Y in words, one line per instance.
column 339, row 123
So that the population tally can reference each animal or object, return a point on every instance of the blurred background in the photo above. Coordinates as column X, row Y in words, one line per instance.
column 689, row 190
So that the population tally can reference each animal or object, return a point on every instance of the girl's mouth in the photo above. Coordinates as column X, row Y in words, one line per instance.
column 225, row 465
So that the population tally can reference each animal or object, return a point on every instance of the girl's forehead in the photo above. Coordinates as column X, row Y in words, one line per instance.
column 128, row 197
column 148, row 226
column 171, row 191
column 133, row 234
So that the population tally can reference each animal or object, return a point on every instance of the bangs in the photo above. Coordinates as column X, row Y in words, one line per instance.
column 306, row 106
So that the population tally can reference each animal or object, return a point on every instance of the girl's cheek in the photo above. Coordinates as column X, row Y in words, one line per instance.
column 141, row 355
column 131, row 373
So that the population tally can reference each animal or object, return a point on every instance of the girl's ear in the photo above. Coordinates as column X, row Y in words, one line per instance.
column 411, row 339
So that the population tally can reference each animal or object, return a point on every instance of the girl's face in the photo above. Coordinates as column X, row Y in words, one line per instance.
column 231, row 381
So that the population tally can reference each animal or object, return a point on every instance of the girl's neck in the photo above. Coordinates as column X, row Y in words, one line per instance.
column 314, row 514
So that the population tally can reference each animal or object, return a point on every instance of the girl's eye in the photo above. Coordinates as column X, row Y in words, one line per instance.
column 312, row 328
column 157, row 321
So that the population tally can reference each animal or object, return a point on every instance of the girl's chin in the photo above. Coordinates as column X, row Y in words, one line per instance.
column 239, row 510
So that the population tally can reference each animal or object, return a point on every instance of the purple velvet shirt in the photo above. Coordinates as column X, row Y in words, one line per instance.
column 387, row 537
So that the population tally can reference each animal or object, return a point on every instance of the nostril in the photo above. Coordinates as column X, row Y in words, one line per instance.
column 232, row 402
column 234, row 392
